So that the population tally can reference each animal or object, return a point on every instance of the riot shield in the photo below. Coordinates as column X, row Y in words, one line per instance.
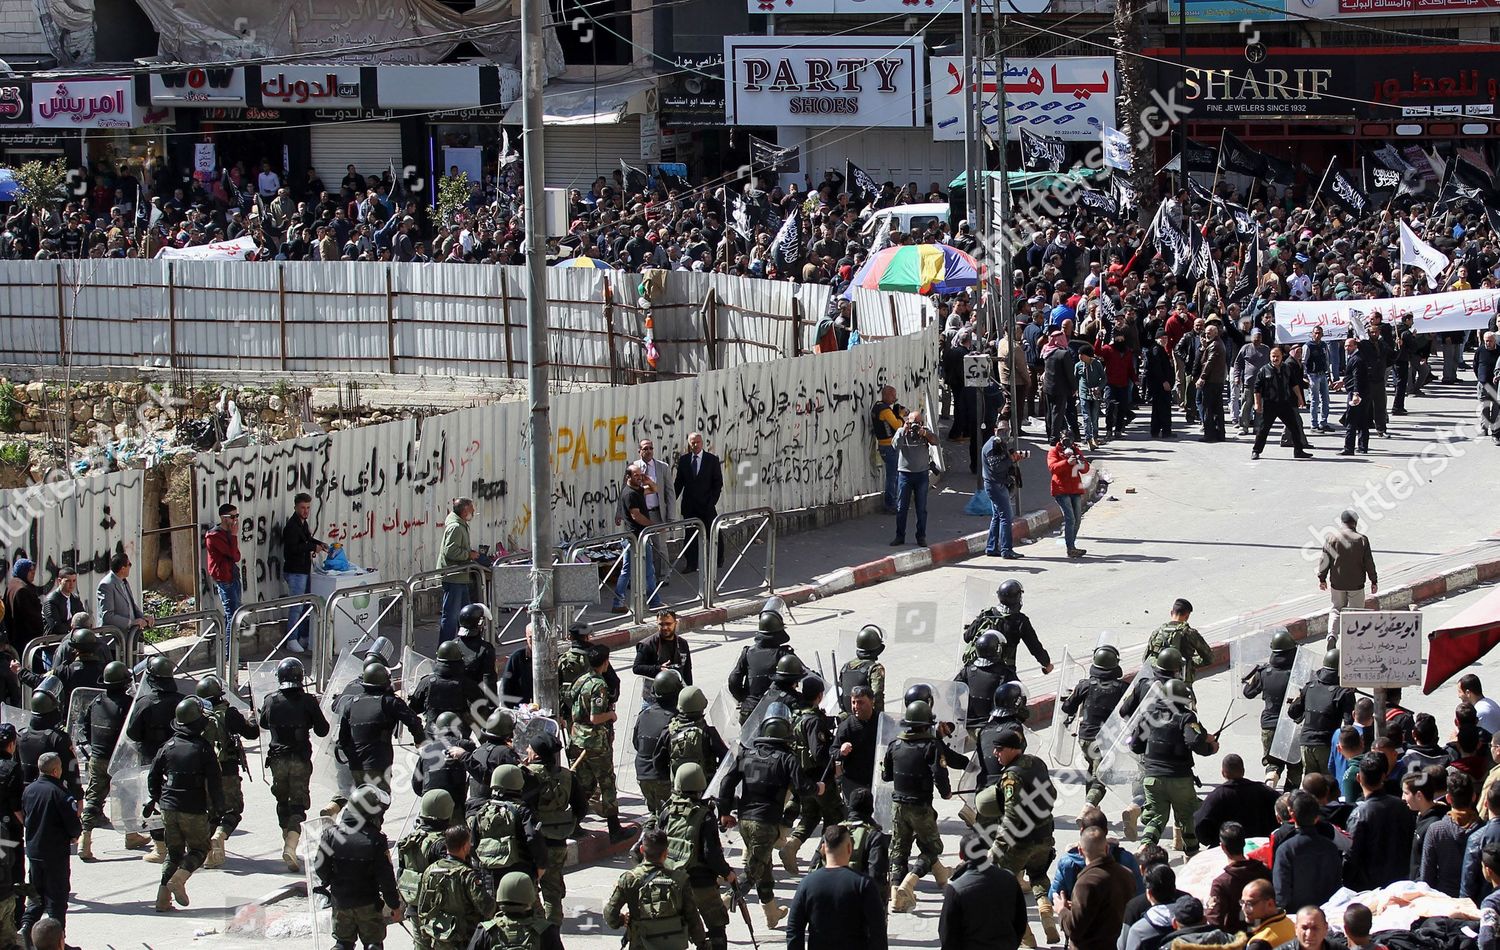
column 414, row 666
column 741, row 740
column 1118, row 765
column 529, row 727
column 979, row 595
column 129, row 791
column 626, row 711
column 347, row 670
column 319, row 909
column 886, row 730
column 263, row 683
column 847, row 650
column 14, row 715
column 950, row 708
column 78, row 704
column 1069, row 673
column 1286, row 744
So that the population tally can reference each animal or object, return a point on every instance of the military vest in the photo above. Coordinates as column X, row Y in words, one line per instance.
column 682, row 820
column 658, row 912
column 571, row 666
column 855, row 673
column 510, row 933
column 687, row 742
column 554, row 801
column 499, row 825
column 442, row 900
column 411, row 854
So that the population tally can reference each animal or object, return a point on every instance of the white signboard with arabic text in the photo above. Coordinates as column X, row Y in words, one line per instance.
column 1431, row 313
column 310, row 87
column 1380, row 648
column 85, row 104
column 1066, row 97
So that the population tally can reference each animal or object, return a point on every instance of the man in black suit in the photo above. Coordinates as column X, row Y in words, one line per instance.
column 698, row 485
column 1359, row 415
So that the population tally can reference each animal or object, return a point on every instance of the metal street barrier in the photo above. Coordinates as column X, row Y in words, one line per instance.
column 423, row 581
column 717, row 579
column 689, row 531
column 609, row 554
column 313, row 619
column 340, row 607
column 209, row 626
column 111, row 635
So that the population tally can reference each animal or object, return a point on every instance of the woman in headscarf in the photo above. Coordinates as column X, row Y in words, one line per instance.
column 25, row 611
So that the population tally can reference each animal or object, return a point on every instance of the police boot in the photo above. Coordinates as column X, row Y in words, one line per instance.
column 1273, row 776
column 289, row 841
column 1177, row 839
column 968, row 815
column 158, row 853
column 718, row 939
column 164, row 900
column 617, row 831
column 940, row 874
column 1129, row 817
column 177, row 884
column 773, row 911
column 86, row 845
column 215, row 857
column 788, row 852
column 135, row 842
column 1027, row 940
column 904, row 898
column 1049, row 920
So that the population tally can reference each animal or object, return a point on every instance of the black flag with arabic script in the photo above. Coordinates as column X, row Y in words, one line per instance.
column 862, row 187
column 1124, row 193
column 1102, row 203
column 1235, row 156
column 634, row 178
column 771, row 158
column 1346, row 194
column 1464, row 182
column 1042, row 152
column 786, row 248
column 1248, row 278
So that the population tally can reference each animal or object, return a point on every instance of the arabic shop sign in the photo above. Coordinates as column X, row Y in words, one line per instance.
column 1065, row 97
column 84, row 104
column 213, row 85
column 310, row 87
column 1328, row 83
column 690, row 99
column 15, row 103
column 810, row 81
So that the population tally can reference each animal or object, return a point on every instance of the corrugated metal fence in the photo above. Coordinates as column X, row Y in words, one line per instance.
column 443, row 319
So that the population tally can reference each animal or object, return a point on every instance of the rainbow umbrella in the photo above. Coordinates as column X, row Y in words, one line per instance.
column 583, row 262
column 918, row 268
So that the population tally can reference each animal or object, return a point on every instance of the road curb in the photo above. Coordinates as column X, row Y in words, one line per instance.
column 1034, row 524
column 1314, row 626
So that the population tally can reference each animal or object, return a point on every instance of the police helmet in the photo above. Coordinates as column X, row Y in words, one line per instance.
column 987, row 646
column 775, row 728
column 770, row 622
column 516, row 890
column 1168, row 662
column 987, row 803
column 780, row 711
column 369, row 800
column 1010, row 698
column 84, row 641
column 447, row 723
column 382, row 651
column 501, row 725
column 1106, row 660
column 472, row 619
column 667, row 685
column 290, row 672
column 159, row 667
column 51, row 685
column 1178, row 692
column 1010, row 593
column 116, row 674
column 869, row 642
column 1282, row 642
column 790, row 667
column 188, row 712
column 691, row 701
column 508, row 778
column 918, row 715
column 689, row 779
column 450, row 652
column 436, row 803
column 44, row 703
column 1331, row 659
column 919, row 693
column 209, row 688
column 376, row 674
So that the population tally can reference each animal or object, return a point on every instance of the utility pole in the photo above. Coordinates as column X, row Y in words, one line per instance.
column 1003, row 230
column 1182, row 169
column 972, row 124
column 538, row 363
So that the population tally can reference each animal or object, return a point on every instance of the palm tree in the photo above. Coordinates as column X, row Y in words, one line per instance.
column 1130, row 39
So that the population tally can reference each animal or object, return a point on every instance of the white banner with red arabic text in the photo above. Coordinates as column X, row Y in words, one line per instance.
column 1432, row 313
column 239, row 249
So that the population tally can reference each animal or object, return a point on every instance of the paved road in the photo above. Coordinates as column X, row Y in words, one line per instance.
column 1209, row 525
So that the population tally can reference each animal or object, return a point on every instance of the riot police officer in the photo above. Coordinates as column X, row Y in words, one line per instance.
column 982, row 675
column 44, row 733
column 695, row 848
column 1091, row 701
column 98, row 731
column 654, row 903
column 574, row 664
column 1014, row 627
column 754, row 795
column 186, row 784
column 452, row 900
column 561, row 805
column 591, row 747
column 227, row 726
column 753, row 671
column 690, row 737
column 516, row 924
column 496, row 748
column 353, row 866
column 1164, row 667
column 448, row 688
column 1023, row 840
column 914, row 765
column 423, row 845
column 86, row 668
column 1321, row 707
column 290, row 715
column 367, row 723
column 650, row 740
column 150, row 725
column 1166, row 741
column 507, row 835
column 786, row 681
column 923, row 693
column 812, row 742
column 865, row 669
column 440, row 759
column 1269, row 681
column 1008, row 712
column 478, row 656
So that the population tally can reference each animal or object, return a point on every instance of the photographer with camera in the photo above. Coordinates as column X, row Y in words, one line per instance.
column 1001, row 476
column 1066, row 463
column 913, row 444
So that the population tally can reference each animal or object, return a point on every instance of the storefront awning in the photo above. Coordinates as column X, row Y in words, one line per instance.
column 574, row 104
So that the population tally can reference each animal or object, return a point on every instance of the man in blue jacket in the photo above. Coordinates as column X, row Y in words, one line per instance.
column 1473, row 884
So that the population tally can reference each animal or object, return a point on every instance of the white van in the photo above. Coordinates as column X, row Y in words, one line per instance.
column 906, row 218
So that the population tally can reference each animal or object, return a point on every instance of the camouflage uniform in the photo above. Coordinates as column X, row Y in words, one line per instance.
column 452, row 902
column 1183, row 637
column 597, row 767
column 558, row 796
column 663, row 914
column 1023, row 840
